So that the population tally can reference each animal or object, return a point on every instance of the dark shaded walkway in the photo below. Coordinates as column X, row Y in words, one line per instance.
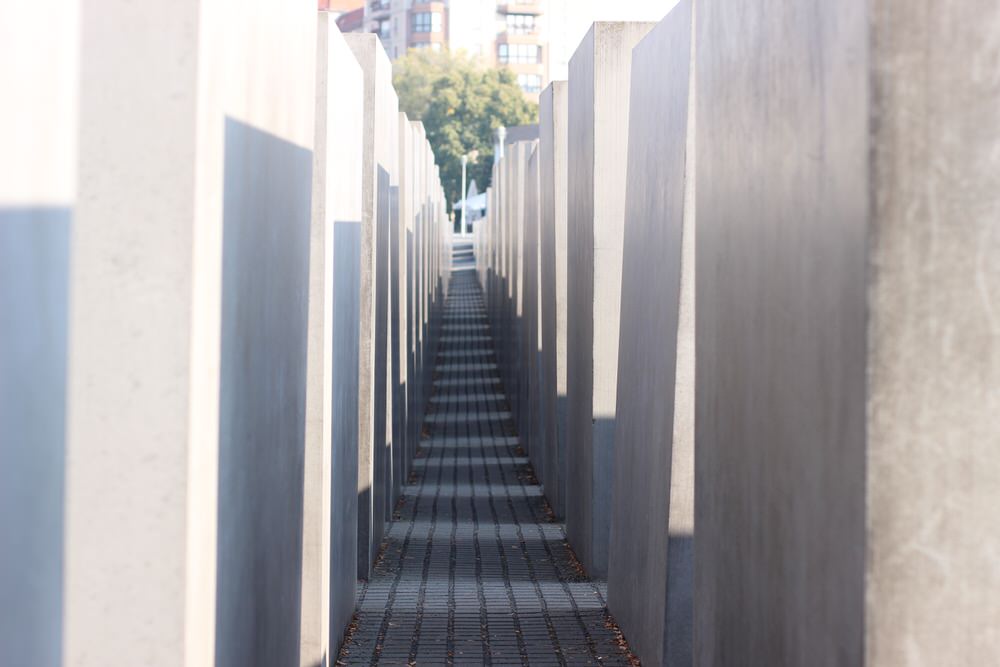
column 473, row 571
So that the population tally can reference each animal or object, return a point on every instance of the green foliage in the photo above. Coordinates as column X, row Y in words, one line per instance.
column 461, row 105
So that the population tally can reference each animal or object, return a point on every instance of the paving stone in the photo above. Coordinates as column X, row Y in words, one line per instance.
column 473, row 573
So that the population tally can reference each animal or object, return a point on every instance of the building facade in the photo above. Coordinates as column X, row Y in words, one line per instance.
column 496, row 32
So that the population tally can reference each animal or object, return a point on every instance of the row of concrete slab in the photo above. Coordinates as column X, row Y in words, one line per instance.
column 746, row 286
column 222, row 271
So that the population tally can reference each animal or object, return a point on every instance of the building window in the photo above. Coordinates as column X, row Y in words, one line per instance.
column 427, row 22
column 420, row 46
column 520, row 24
column 384, row 30
column 530, row 83
column 519, row 54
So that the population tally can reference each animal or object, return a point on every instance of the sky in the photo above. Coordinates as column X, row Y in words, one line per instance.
column 569, row 21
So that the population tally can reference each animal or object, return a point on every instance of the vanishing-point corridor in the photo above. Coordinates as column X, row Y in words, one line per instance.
column 473, row 570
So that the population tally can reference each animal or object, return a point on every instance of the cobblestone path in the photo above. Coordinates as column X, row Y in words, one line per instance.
column 473, row 569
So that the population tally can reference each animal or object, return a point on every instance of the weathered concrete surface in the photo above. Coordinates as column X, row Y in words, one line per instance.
column 412, row 383
column 598, row 132
column 265, row 286
column 381, row 115
column 507, row 299
column 780, row 385
column 847, row 368
column 531, row 357
column 38, row 68
column 519, row 280
column 650, row 563
column 382, row 482
column 402, row 448
column 417, row 279
column 186, row 390
column 516, row 381
column 330, row 520
column 503, row 261
column 552, row 115
column 933, row 352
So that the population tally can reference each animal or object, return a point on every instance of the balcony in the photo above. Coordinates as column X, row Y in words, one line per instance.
column 379, row 8
column 522, row 7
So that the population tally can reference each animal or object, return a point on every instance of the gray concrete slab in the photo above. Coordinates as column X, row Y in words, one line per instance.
column 598, row 132
column 781, row 263
column 650, row 560
column 185, row 429
column 329, row 521
column 400, row 299
column 415, row 377
column 38, row 169
column 419, row 279
column 553, row 199
column 847, row 371
column 516, row 378
column 380, row 156
column 533, row 417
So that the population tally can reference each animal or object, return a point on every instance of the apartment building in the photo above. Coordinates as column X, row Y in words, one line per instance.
column 500, row 33
column 337, row 8
column 520, row 44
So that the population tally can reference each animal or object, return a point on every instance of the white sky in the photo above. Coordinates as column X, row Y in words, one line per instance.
column 569, row 21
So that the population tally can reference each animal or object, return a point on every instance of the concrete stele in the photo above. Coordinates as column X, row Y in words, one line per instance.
column 329, row 533
column 847, row 402
column 38, row 173
column 185, row 430
column 381, row 115
column 402, row 365
column 553, row 199
column 533, row 417
column 598, row 133
column 650, row 569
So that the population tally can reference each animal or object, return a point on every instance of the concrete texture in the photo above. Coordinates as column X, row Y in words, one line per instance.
column 386, row 272
column 194, row 213
column 402, row 448
column 329, row 540
column 507, row 299
column 933, row 363
column 847, row 294
column 517, row 165
column 781, row 263
column 265, row 287
column 419, row 300
column 553, row 199
column 417, row 272
column 503, row 263
column 374, row 460
column 598, row 133
column 533, row 417
column 37, row 193
column 183, row 274
column 410, row 199
column 518, row 133
column 650, row 562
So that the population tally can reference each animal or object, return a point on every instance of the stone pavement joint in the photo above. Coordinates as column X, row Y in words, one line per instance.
column 474, row 572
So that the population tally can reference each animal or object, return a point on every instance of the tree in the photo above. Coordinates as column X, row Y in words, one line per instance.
column 461, row 105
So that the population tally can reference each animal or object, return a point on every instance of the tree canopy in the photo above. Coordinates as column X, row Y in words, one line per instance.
column 461, row 104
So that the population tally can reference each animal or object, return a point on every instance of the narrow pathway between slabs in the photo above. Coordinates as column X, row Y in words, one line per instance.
column 473, row 570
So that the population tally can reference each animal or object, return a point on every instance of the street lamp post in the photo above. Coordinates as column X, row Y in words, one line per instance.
column 465, row 199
